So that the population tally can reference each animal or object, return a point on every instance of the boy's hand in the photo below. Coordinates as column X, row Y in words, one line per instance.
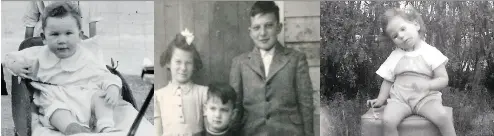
column 112, row 95
column 420, row 86
column 374, row 103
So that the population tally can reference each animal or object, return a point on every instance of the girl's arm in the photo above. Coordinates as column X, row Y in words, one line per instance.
column 157, row 116
column 384, row 92
column 440, row 79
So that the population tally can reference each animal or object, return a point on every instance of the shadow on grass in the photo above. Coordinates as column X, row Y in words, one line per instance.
column 472, row 111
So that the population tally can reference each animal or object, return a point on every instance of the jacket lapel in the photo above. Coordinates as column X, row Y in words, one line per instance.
column 279, row 60
column 255, row 62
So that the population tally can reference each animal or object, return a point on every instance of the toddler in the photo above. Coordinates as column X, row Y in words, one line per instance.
column 413, row 75
column 219, row 110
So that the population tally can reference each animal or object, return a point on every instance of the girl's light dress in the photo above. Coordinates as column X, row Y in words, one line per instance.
column 405, row 68
column 78, row 79
column 178, row 108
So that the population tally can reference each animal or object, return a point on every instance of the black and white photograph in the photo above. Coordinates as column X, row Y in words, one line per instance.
column 408, row 68
column 81, row 68
column 237, row 68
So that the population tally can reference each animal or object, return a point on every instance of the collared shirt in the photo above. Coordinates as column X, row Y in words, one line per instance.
column 400, row 61
column 76, row 78
column 81, row 68
column 179, row 108
column 267, row 57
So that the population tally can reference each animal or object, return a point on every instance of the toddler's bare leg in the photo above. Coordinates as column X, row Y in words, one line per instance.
column 103, row 113
column 393, row 114
column 66, row 123
column 435, row 112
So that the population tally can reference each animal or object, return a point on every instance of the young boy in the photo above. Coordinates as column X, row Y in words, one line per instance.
column 219, row 110
column 272, row 82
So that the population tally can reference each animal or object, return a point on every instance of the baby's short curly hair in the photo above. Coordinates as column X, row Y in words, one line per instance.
column 61, row 9
column 409, row 14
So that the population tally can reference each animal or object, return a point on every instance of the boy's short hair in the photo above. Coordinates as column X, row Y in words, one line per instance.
column 61, row 9
column 264, row 7
column 223, row 91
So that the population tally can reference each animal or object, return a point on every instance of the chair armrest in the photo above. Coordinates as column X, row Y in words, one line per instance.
column 22, row 106
column 126, row 92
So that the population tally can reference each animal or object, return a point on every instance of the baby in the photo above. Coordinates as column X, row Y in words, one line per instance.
column 73, row 84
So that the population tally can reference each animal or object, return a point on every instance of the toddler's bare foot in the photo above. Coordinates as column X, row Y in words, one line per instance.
column 109, row 130
column 76, row 128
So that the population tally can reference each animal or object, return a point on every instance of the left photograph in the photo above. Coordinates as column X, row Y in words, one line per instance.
column 77, row 68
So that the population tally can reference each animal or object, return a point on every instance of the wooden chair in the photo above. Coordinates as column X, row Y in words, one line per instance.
column 22, row 92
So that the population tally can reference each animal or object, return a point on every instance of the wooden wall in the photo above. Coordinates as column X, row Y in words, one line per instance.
column 221, row 33
column 302, row 32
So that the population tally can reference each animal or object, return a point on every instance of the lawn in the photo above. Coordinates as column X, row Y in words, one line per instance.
column 139, row 88
column 473, row 113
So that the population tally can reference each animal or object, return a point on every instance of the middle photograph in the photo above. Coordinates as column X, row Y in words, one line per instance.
column 237, row 68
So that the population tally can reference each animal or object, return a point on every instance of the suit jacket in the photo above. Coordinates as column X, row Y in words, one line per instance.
column 279, row 104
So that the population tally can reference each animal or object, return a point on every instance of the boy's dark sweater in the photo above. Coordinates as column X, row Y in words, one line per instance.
column 206, row 133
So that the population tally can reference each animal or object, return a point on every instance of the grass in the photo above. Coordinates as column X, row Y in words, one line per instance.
column 473, row 113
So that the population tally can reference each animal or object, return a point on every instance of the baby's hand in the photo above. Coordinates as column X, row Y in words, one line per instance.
column 112, row 95
column 374, row 103
column 20, row 68
column 421, row 86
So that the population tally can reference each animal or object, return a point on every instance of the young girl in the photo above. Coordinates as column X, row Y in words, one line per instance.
column 72, row 83
column 179, row 105
column 413, row 75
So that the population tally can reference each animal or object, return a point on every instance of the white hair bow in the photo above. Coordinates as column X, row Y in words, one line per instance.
column 189, row 37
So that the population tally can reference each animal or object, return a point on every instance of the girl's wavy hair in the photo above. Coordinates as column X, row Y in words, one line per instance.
column 408, row 14
column 180, row 43
column 61, row 9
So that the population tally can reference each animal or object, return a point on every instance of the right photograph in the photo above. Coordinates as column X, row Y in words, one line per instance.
column 407, row 68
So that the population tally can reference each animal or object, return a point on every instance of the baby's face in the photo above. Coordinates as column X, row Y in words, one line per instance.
column 403, row 33
column 264, row 30
column 181, row 65
column 218, row 114
column 62, row 36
